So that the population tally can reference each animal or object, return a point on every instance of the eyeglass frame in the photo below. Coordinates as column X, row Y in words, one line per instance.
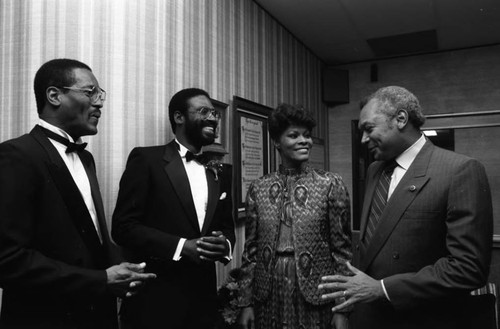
column 101, row 94
column 215, row 113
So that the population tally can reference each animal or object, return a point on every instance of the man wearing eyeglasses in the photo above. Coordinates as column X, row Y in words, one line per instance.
column 56, row 256
column 175, row 213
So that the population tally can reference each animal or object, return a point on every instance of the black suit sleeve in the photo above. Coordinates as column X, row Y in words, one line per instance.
column 134, row 224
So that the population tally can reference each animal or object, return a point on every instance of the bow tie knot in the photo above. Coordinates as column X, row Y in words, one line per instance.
column 73, row 147
column 70, row 147
column 197, row 157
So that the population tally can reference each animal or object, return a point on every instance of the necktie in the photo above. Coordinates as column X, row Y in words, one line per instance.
column 379, row 200
column 70, row 147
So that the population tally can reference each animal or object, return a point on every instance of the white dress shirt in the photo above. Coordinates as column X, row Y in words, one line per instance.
column 197, row 177
column 76, row 169
column 404, row 161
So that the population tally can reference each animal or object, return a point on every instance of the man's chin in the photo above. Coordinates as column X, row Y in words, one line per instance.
column 92, row 131
column 208, row 140
column 375, row 154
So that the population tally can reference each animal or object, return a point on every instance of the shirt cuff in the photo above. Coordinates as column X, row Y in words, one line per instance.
column 180, row 245
column 230, row 256
column 385, row 291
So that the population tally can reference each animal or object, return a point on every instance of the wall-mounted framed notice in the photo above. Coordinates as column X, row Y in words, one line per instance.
column 252, row 156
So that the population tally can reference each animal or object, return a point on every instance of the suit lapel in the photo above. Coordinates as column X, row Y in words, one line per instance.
column 70, row 194
column 412, row 183
column 180, row 182
column 213, row 198
column 89, row 165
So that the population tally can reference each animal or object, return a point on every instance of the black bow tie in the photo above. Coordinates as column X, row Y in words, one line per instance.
column 197, row 157
column 70, row 147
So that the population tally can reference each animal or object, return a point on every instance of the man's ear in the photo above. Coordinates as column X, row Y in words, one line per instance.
column 179, row 118
column 402, row 118
column 53, row 95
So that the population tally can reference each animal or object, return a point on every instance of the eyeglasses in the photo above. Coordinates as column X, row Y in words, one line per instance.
column 95, row 93
column 206, row 111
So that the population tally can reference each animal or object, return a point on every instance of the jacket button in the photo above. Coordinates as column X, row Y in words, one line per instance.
column 357, row 247
column 395, row 255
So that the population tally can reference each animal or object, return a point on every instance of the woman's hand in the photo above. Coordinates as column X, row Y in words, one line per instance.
column 246, row 318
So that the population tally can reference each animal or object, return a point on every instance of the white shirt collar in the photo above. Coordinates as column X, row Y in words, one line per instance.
column 182, row 149
column 406, row 158
column 58, row 131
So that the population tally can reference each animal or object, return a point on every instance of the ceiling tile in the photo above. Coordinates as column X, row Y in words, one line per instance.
column 379, row 18
column 337, row 30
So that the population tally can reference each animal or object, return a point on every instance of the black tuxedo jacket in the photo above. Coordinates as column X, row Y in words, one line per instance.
column 51, row 259
column 432, row 245
column 154, row 210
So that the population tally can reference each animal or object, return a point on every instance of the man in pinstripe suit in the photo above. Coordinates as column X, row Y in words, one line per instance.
column 431, row 243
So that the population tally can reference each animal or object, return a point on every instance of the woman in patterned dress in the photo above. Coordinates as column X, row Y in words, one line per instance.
column 297, row 230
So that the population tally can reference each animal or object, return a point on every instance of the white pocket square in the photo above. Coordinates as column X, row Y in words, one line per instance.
column 223, row 196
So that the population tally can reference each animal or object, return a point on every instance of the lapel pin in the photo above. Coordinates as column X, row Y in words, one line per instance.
column 412, row 188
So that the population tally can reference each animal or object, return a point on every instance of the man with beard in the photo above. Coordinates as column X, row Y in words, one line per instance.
column 176, row 214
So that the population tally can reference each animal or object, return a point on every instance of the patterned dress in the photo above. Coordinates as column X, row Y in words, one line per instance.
column 297, row 230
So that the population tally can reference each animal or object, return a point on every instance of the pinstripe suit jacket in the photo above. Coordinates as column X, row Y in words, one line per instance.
column 433, row 242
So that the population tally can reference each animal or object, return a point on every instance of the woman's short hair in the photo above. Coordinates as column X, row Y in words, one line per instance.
column 286, row 115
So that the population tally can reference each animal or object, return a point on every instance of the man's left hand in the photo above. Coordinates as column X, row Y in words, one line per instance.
column 359, row 288
column 213, row 247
